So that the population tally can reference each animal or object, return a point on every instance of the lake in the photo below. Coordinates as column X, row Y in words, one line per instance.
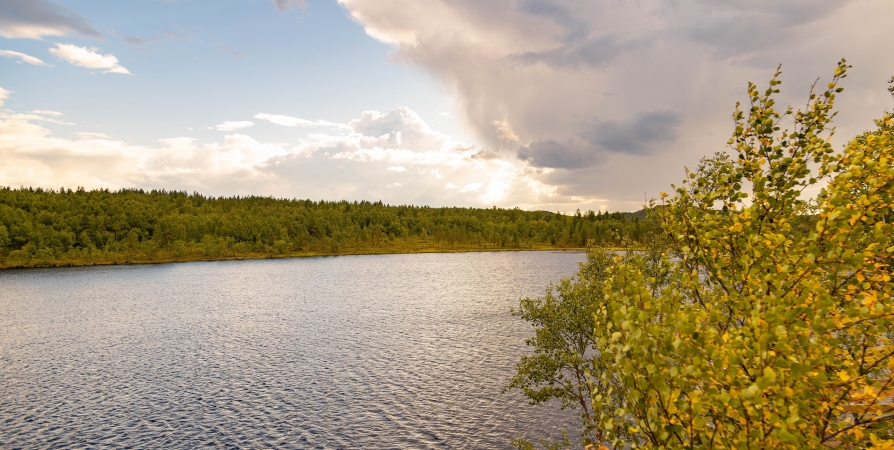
column 390, row 351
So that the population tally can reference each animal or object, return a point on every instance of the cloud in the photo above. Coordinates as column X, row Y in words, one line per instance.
column 288, row 121
column 233, row 126
column 88, row 135
column 142, row 43
column 747, row 29
column 136, row 41
column 593, row 52
column 642, row 135
column 486, row 155
column 504, row 131
column 367, row 164
column 555, row 154
column 471, row 187
column 89, row 58
column 46, row 112
column 34, row 19
column 41, row 119
column 285, row 5
column 37, row 115
column 638, row 136
column 23, row 58
column 230, row 50
column 172, row 35
column 400, row 128
column 598, row 89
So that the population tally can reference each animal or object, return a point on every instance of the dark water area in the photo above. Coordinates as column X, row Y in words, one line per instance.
column 391, row 351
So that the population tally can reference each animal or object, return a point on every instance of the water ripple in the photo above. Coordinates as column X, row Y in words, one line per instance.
column 395, row 351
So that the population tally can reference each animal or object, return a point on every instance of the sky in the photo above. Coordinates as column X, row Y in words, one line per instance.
column 538, row 104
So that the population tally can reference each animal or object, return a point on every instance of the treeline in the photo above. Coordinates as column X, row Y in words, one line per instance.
column 75, row 227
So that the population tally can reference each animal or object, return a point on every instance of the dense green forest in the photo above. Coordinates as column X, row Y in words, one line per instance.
column 78, row 227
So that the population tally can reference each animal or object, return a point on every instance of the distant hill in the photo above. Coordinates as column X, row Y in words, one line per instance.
column 641, row 214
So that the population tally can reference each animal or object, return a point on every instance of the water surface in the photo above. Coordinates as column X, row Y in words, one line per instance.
column 391, row 351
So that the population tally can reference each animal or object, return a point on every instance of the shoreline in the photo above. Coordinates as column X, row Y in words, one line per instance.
column 122, row 260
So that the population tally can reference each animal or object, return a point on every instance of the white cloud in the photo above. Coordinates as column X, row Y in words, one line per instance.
column 367, row 163
column 46, row 112
column 288, row 121
column 4, row 94
column 40, row 118
column 89, row 58
column 401, row 128
column 234, row 125
column 22, row 57
column 88, row 135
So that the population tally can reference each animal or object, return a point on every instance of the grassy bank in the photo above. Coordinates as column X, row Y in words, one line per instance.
column 100, row 258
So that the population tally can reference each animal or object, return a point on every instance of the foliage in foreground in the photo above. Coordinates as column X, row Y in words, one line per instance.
column 758, row 319
column 72, row 227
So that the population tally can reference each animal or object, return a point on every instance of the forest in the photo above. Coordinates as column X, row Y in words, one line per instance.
column 48, row 227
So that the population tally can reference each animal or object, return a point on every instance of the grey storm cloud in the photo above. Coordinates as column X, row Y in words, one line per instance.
column 557, row 154
column 749, row 28
column 573, row 27
column 646, row 133
column 579, row 47
column 629, row 91
column 591, row 52
column 639, row 136
column 33, row 19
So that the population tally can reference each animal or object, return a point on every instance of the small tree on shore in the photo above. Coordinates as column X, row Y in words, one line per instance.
column 767, row 322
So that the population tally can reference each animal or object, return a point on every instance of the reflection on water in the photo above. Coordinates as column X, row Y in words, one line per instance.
column 396, row 351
